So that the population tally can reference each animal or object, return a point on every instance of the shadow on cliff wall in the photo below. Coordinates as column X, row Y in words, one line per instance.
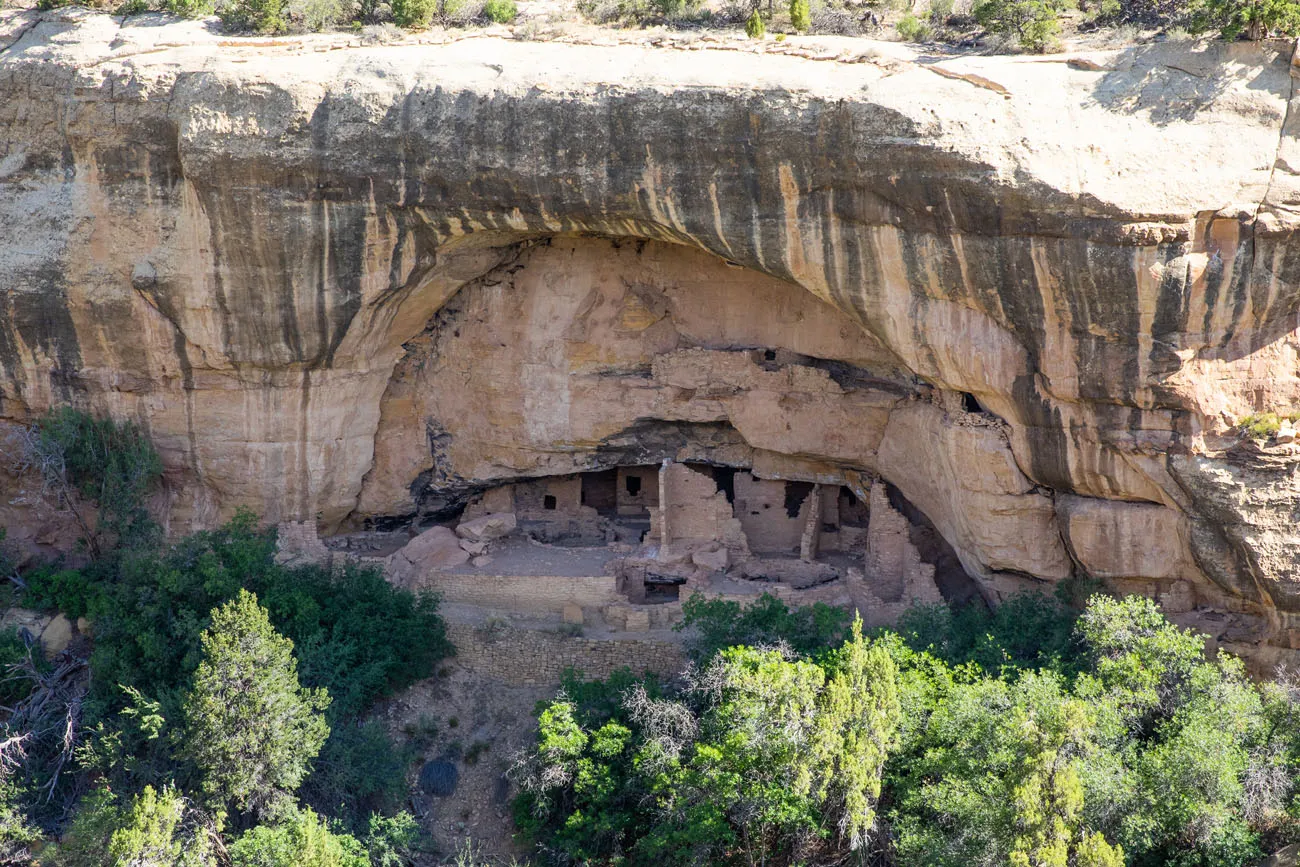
column 1169, row 82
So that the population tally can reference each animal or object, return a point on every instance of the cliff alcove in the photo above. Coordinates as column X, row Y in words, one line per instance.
column 379, row 282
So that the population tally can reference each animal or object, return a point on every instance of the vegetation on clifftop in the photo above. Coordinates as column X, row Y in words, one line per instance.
column 996, row 25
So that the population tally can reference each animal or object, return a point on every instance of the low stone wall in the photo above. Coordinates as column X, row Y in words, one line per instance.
column 526, row 593
column 533, row 657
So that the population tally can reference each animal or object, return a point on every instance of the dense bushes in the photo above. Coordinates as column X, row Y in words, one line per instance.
column 1026, row 736
column 761, row 759
column 716, row 624
column 222, row 684
column 109, row 464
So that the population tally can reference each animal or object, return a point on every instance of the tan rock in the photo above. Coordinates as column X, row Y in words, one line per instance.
column 573, row 613
column 474, row 549
column 714, row 561
column 966, row 479
column 435, row 548
column 488, row 527
column 1124, row 540
column 56, row 636
column 480, row 561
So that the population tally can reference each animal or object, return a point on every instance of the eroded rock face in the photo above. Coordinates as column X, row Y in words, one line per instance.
column 346, row 284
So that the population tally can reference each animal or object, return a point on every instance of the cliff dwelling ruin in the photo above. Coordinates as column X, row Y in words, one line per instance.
column 666, row 407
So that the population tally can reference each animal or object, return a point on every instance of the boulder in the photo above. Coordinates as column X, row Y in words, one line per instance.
column 439, row 778
column 1286, row 433
column 573, row 613
column 474, row 549
column 435, row 548
column 488, row 527
column 57, row 635
column 480, row 561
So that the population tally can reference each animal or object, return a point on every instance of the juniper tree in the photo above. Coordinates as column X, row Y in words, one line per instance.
column 251, row 728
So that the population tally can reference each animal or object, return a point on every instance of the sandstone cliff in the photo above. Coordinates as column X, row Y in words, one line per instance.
column 341, row 283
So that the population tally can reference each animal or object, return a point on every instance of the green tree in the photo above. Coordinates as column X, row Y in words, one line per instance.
column 857, row 724
column 1034, row 23
column 755, row 26
column 1255, row 19
column 301, row 839
column 154, row 833
column 413, row 14
column 251, row 729
column 258, row 16
column 800, row 15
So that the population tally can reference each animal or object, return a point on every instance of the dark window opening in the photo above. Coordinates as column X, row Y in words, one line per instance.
column 769, row 355
column 633, row 485
column 853, row 512
column 830, row 528
column 725, row 479
column 657, row 594
column 600, row 491
column 969, row 403
column 795, row 494
column 548, row 502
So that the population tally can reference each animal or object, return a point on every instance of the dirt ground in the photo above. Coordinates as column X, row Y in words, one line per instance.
column 480, row 726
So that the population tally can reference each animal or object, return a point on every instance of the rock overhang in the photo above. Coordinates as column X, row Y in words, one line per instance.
column 1097, row 248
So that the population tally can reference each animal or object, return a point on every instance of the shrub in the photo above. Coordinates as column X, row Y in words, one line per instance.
column 316, row 15
column 155, row 829
column 1264, row 425
column 300, row 840
column 913, row 29
column 1033, row 23
column 719, row 624
column 1255, row 19
column 256, row 16
column 18, row 838
column 413, row 14
column 500, row 11
column 800, row 15
column 940, row 12
column 389, row 839
column 189, row 8
column 772, row 756
column 1028, row 630
column 755, row 27
column 111, row 464
column 251, row 729
column 153, row 833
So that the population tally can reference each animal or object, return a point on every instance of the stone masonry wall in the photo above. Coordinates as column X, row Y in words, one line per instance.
column 525, row 593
